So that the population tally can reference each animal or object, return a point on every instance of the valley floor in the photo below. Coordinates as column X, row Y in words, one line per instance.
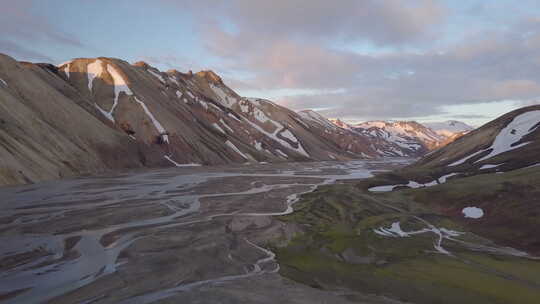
column 195, row 235
column 229, row 234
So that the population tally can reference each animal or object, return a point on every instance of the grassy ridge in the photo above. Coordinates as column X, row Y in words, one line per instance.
column 339, row 248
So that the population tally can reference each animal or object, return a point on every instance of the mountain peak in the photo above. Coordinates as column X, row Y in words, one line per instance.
column 141, row 64
column 210, row 76
column 449, row 127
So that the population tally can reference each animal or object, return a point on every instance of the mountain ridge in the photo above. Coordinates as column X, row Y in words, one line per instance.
column 100, row 114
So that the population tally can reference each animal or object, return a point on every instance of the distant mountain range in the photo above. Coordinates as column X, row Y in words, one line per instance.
column 93, row 115
column 449, row 128
column 405, row 138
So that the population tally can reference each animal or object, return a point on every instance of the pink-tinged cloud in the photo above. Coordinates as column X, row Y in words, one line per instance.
column 21, row 29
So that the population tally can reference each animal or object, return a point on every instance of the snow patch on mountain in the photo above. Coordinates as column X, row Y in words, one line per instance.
column 461, row 161
column 508, row 137
column 472, row 212
column 215, row 125
column 300, row 149
column 316, row 118
column 157, row 75
column 287, row 134
column 225, row 125
column 155, row 122
column 167, row 157
column 410, row 136
column 413, row 184
column 506, row 140
column 66, row 68
column 93, row 70
column 234, row 148
column 120, row 85
column 449, row 127
column 282, row 154
column 224, row 98
column 175, row 80
column 401, row 129
column 340, row 123
column 489, row 166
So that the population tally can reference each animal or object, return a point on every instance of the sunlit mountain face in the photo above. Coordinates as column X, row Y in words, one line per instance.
column 301, row 151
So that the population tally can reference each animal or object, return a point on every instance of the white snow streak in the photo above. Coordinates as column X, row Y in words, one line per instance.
column 461, row 161
column 300, row 148
column 167, row 157
column 93, row 70
column 442, row 233
column 225, row 125
column 215, row 125
column 120, row 85
column 156, row 123
column 413, row 184
column 222, row 95
column 157, row 75
column 287, row 134
column 520, row 126
column 232, row 146
column 489, row 166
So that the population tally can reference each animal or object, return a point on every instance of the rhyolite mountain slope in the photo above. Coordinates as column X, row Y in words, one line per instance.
column 509, row 142
column 92, row 115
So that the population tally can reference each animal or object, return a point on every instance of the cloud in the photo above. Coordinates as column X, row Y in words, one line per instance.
column 387, row 22
column 12, row 48
column 307, row 45
column 369, row 59
column 482, row 67
column 22, row 30
column 467, row 116
column 181, row 63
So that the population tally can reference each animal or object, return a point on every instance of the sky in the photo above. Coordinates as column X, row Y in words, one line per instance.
column 421, row 60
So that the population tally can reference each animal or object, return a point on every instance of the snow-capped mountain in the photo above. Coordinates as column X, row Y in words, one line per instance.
column 449, row 128
column 377, row 139
column 93, row 115
column 407, row 134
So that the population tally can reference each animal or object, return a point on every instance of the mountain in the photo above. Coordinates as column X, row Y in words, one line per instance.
column 449, row 128
column 458, row 226
column 401, row 138
column 94, row 115
column 405, row 138
column 506, row 143
column 353, row 140
column 398, row 138
column 408, row 134
column 494, row 168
